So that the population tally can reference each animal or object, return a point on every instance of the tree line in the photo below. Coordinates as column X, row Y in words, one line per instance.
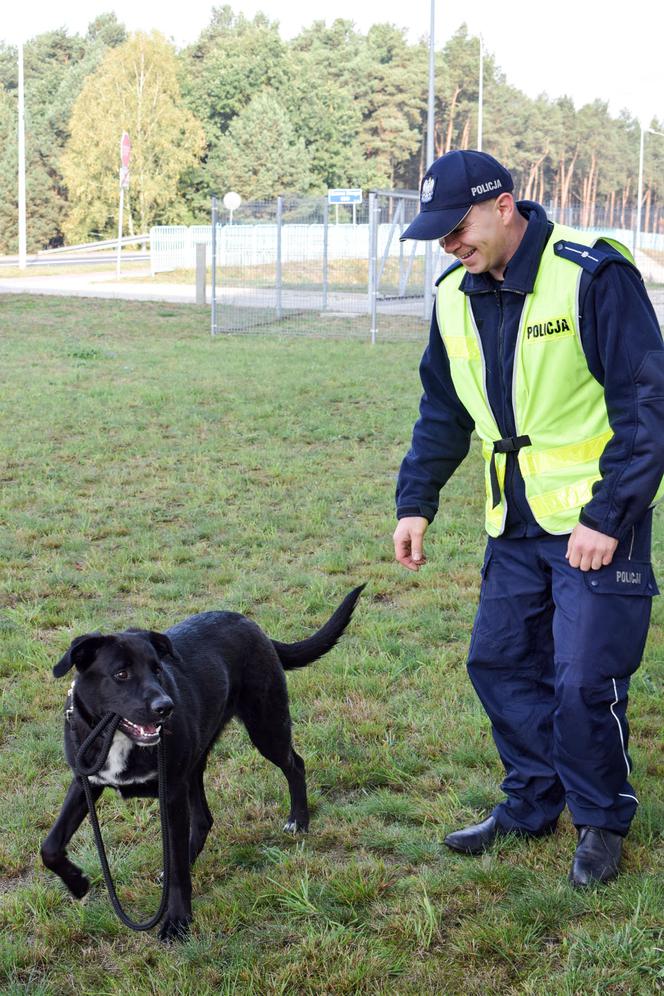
column 243, row 109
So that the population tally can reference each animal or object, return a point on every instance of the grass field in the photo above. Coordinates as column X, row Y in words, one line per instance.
column 150, row 472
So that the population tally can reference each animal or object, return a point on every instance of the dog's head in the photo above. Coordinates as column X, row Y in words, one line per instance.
column 122, row 673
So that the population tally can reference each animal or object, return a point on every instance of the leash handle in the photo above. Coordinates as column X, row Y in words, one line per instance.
column 110, row 720
column 107, row 726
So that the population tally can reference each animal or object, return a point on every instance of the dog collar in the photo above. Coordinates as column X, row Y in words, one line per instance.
column 69, row 704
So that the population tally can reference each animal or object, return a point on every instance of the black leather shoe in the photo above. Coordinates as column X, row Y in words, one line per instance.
column 475, row 839
column 597, row 857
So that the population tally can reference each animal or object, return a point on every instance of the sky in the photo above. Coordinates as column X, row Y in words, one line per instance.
column 585, row 49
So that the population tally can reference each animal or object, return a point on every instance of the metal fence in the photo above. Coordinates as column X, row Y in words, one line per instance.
column 298, row 260
column 304, row 264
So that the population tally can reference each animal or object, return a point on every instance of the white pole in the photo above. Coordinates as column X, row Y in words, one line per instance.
column 213, row 313
column 22, row 240
column 639, row 196
column 428, row 259
column 374, row 214
column 431, row 103
column 117, row 267
column 480, row 109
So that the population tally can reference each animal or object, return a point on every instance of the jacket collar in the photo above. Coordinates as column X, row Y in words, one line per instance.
column 521, row 271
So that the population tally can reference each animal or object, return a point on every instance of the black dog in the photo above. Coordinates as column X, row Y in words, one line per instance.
column 190, row 681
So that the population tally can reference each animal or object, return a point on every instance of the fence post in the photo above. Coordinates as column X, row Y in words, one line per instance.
column 153, row 251
column 374, row 212
column 326, row 225
column 213, row 330
column 428, row 279
column 200, row 273
column 280, row 209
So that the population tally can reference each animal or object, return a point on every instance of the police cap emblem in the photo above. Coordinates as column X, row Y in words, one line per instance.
column 428, row 187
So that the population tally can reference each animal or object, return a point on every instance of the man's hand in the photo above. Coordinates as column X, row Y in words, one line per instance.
column 589, row 549
column 408, row 542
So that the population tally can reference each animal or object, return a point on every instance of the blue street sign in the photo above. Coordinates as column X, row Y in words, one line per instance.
column 342, row 196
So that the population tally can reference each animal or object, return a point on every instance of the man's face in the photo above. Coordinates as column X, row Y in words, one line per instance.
column 479, row 241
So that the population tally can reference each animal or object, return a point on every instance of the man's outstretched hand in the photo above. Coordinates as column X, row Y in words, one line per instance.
column 409, row 542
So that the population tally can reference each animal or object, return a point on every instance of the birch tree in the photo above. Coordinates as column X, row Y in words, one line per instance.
column 135, row 90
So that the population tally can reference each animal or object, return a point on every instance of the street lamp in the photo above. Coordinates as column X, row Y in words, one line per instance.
column 22, row 241
column 428, row 256
column 639, row 196
column 480, row 105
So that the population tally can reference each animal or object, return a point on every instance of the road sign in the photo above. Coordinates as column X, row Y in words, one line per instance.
column 344, row 196
column 125, row 149
column 124, row 177
column 232, row 201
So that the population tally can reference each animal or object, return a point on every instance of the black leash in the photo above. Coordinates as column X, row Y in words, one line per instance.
column 109, row 724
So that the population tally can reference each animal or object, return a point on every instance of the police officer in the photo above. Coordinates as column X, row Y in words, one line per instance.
column 544, row 341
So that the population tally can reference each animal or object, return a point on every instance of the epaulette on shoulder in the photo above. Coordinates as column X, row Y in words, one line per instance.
column 453, row 266
column 591, row 258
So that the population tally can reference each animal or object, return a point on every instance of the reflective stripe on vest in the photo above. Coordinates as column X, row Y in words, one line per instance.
column 557, row 403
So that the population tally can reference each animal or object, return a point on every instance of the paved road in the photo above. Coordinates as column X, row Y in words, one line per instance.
column 100, row 285
column 104, row 285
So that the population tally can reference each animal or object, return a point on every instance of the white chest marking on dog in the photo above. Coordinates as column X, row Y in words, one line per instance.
column 113, row 772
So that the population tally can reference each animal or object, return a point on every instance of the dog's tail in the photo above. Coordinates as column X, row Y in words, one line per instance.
column 306, row 651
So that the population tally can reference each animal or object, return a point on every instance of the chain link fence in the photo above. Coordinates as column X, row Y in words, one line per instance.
column 286, row 259
column 308, row 265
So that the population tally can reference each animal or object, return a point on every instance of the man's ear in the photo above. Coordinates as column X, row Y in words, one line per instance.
column 506, row 205
column 81, row 653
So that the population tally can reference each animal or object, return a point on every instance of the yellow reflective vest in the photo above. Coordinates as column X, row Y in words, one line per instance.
column 560, row 413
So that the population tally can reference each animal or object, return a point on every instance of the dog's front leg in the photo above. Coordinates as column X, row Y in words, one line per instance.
column 175, row 926
column 54, row 849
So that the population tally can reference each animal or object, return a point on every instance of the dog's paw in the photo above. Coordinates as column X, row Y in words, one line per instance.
column 174, row 929
column 294, row 826
column 78, row 884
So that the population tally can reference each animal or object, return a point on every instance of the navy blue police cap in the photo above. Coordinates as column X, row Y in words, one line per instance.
column 451, row 186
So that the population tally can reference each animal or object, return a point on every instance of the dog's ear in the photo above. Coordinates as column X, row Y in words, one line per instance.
column 81, row 653
column 161, row 644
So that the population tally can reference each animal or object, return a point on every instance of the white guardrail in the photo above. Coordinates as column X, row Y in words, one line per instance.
column 126, row 240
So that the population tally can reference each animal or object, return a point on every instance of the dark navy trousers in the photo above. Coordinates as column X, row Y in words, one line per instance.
column 551, row 655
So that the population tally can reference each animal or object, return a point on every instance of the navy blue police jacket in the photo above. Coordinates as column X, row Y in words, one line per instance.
column 623, row 347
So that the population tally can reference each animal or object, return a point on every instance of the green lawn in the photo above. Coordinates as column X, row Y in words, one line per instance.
column 150, row 472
